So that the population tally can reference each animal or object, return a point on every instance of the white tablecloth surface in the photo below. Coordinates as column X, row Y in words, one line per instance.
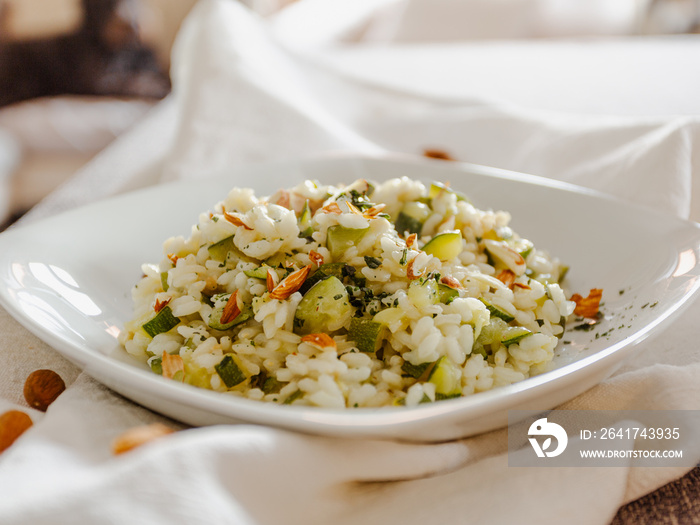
column 240, row 97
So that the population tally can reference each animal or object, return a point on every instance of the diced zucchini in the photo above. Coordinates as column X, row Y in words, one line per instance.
column 305, row 227
column 446, row 294
column 367, row 334
column 164, row 321
column 324, row 308
column 447, row 378
column 437, row 187
column 156, row 365
column 164, row 281
column 423, row 294
column 293, row 397
column 340, row 238
column 496, row 311
column 415, row 371
column 229, row 371
column 197, row 375
column 219, row 250
column 514, row 334
column 271, row 385
column 258, row 273
column 411, row 217
column 444, row 246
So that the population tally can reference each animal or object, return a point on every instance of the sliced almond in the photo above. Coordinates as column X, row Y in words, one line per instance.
column 411, row 240
column 291, row 283
column 434, row 153
column 173, row 366
column 332, row 208
column 319, row 340
column 450, row 281
column 271, row 280
column 235, row 220
column 231, row 309
column 13, row 424
column 372, row 212
column 410, row 273
column 281, row 198
column 137, row 436
column 161, row 304
column 507, row 277
column 316, row 258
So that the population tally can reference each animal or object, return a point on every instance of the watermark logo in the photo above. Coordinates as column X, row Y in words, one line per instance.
column 542, row 427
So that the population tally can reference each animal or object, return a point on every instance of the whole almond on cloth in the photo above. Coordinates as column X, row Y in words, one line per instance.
column 13, row 423
column 137, row 436
column 42, row 387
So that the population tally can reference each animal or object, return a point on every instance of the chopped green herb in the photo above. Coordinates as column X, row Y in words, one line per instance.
column 372, row 262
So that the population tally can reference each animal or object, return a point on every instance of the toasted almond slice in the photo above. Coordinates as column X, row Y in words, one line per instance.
column 13, row 424
column 512, row 259
column 231, row 309
column 411, row 240
column 316, row 257
column 173, row 258
column 374, row 211
column 588, row 306
column 281, row 198
column 236, row 221
column 434, row 153
column 161, row 304
column 173, row 366
column 352, row 208
column 522, row 285
column 272, row 280
column 507, row 277
column 291, row 283
column 137, row 436
column 332, row 207
column 450, row 281
column 319, row 340
column 409, row 271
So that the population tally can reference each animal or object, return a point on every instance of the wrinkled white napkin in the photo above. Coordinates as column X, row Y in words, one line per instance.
column 242, row 98
column 309, row 23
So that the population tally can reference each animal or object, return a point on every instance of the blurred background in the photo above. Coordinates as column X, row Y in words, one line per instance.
column 75, row 74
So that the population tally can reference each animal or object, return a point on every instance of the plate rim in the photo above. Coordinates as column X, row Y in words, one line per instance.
column 382, row 418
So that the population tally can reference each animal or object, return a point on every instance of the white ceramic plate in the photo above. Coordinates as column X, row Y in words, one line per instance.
column 68, row 280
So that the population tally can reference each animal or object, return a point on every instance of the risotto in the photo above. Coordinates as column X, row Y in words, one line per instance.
column 362, row 295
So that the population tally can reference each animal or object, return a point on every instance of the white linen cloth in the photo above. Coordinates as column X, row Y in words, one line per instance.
column 310, row 23
column 240, row 97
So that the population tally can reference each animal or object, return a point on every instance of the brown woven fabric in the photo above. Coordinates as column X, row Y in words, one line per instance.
column 677, row 503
